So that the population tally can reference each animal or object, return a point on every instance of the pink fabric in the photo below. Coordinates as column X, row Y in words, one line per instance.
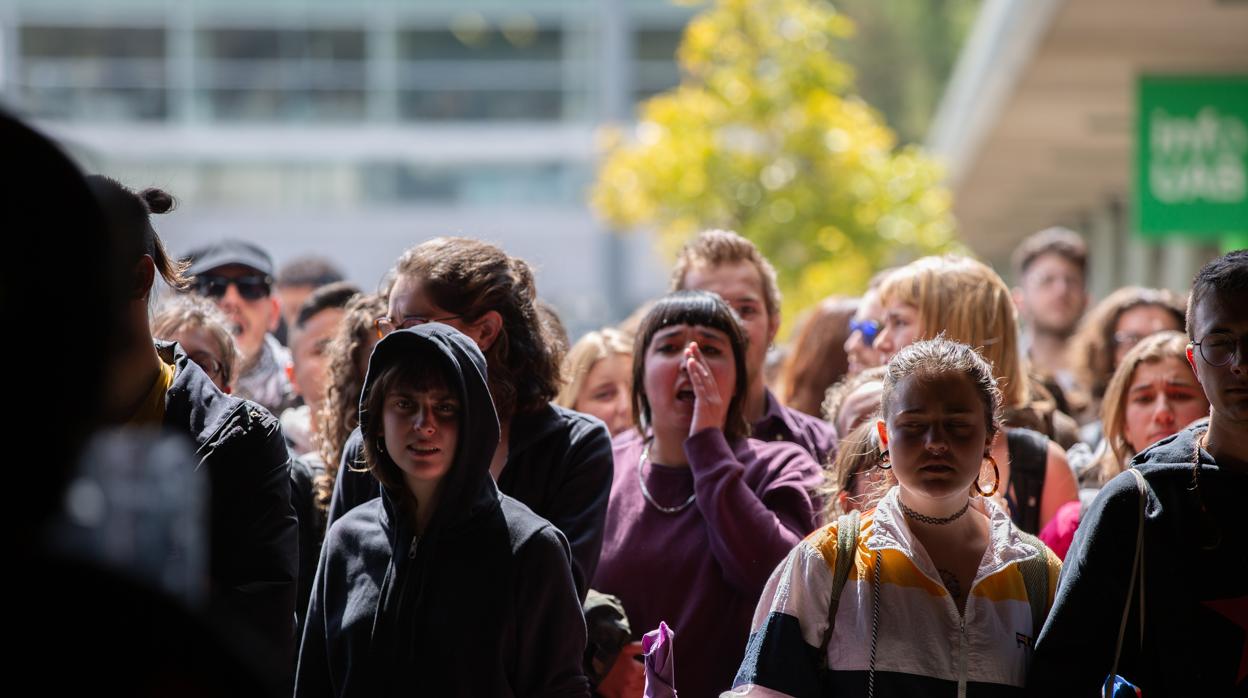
column 660, row 662
column 1060, row 531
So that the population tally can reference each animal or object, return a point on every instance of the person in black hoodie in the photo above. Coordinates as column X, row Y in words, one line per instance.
column 442, row 585
column 1189, row 635
column 555, row 460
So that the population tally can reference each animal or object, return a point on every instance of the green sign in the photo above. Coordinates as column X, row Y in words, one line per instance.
column 1192, row 156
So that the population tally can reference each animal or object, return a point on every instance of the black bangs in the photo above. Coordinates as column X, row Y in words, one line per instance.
column 691, row 308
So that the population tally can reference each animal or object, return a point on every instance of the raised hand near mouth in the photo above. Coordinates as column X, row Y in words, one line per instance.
column 710, row 409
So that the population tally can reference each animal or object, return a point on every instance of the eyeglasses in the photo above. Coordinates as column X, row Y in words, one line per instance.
column 211, row 364
column 1126, row 340
column 1219, row 348
column 870, row 329
column 252, row 287
column 386, row 324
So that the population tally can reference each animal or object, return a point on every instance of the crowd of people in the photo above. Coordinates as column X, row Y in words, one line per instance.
column 944, row 486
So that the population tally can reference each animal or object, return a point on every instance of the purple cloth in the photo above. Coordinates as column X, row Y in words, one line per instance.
column 703, row 569
column 660, row 662
column 780, row 423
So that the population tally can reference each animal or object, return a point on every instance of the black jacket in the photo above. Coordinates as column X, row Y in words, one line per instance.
column 482, row 604
column 1195, row 584
column 559, row 464
column 254, row 548
column 304, row 471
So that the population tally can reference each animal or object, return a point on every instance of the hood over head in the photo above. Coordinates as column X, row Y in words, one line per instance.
column 467, row 486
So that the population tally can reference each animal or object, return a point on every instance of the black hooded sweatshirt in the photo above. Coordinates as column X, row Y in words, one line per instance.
column 1195, row 639
column 482, row 604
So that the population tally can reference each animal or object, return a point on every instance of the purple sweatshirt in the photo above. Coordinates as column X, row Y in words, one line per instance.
column 780, row 423
column 703, row 569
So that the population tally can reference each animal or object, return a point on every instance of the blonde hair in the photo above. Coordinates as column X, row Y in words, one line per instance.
column 716, row 247
column 969, row 303
column 1152, row 349
column 580, row 359
column 856, row 454
column 186, row 312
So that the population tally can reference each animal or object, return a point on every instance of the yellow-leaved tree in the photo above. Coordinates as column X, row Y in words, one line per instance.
column 765, row 136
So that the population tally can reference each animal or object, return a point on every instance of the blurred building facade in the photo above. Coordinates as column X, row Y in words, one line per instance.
column 1038, row 125
column 357, row 129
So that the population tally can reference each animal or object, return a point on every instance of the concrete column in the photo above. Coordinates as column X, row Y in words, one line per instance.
column 615, row 41
column 382, row 56
column 1103, row 256
column 180, row 87
column 10, row 53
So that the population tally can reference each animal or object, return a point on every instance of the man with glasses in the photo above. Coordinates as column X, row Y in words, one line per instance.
column 1191, row 588
column 238, row 277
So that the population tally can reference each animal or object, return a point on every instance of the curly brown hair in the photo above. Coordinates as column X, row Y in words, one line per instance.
column 340, row 413
column 470, row 278
column 1091, row 353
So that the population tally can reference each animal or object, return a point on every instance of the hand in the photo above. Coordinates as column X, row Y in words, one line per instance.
column 710, row 409
column 627, row 678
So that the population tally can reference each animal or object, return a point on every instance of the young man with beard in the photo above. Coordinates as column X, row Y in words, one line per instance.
column 1050, row 268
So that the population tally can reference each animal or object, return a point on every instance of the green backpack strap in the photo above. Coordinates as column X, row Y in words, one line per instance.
column 846, row 552
column 1035, row 571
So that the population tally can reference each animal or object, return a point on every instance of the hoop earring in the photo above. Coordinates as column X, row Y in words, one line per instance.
column 885, row 462
column 996, row 480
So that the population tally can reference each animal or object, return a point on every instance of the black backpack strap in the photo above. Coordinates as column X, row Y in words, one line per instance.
column 1029, row 457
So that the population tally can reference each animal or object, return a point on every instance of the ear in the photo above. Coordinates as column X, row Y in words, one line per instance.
column 290, row 376
column 1017, row 294
column 144, row 278
column 773, row 326
column 486, row 330
column 1191, row 358
column 882, row 429
column 842, row 499
column 275, row 313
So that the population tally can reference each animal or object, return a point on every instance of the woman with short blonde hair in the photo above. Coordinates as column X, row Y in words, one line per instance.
column 605, row 396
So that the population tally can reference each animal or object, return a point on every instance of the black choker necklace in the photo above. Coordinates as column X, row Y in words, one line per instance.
column 924, row 518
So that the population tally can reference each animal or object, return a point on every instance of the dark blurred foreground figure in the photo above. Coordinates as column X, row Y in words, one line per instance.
column 1186, row 628
column 83, row 627
column 442, row 586
column 154, row 384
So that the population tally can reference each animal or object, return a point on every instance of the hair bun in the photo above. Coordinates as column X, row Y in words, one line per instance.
column 158, row 200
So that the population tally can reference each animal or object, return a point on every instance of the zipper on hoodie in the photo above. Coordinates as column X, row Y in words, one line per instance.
column 962, row 654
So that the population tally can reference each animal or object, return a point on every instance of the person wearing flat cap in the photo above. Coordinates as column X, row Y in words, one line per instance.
column 238, row 277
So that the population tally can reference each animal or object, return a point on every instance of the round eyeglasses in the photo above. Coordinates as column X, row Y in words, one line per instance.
column 1219, row 348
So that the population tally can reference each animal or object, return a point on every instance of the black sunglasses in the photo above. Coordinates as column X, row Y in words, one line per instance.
column 252, row 287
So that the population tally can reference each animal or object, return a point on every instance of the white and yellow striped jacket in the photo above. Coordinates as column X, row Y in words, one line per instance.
column 924, row 646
